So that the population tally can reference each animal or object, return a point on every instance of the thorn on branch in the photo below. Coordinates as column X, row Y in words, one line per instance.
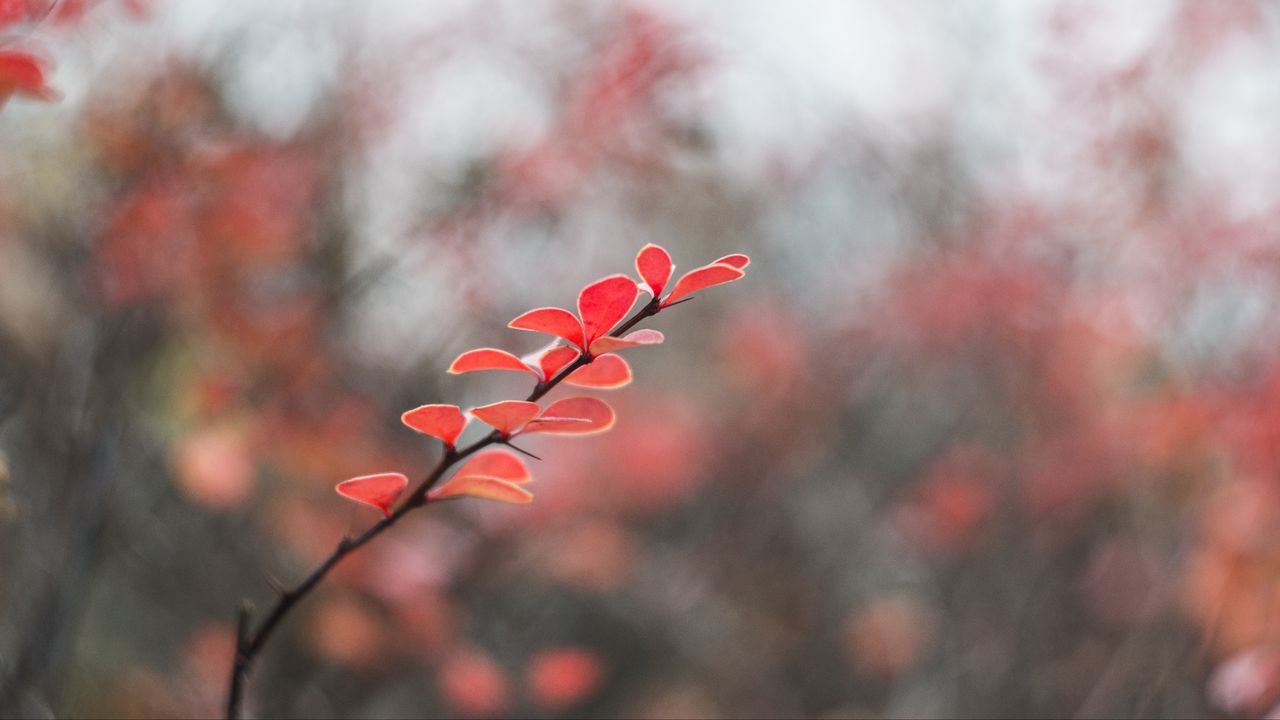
column 520, row 450
column 276, row 584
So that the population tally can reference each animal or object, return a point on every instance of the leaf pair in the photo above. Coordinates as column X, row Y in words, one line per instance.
column 655, row 267
column 605, row 371
column 601, row 305
column 570, row 416
column 492, row 475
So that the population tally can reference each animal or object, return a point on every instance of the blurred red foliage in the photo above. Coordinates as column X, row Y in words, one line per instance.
column 473, row 684
column 559, row 678
column 1023, row 383
column 889, row 636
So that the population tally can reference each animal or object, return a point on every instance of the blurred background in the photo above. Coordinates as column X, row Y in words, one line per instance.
column 992, row 427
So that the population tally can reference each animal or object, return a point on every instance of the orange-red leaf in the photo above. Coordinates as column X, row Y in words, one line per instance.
column 702, row 278
column 507, row 416
column 604, row 303
column 23, row 73
column 555, row 360
column 553, row 321
column 379, row 490
column 605, row 372
column 499, row 464
column 488, row 359
column 639, row 337
column 574, row 416
column 737, row 260
column 654, row 265
column 482, row 486
column 439, row 421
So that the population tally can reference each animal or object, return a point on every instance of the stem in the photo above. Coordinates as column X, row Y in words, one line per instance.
column 241, row 661
column 250, row 642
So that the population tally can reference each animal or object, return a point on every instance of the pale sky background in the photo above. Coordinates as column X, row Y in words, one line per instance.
column 810, row 109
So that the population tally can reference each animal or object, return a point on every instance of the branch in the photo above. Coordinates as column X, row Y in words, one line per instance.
column 250, row 643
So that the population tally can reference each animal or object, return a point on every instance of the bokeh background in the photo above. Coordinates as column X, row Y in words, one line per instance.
column 992, row 427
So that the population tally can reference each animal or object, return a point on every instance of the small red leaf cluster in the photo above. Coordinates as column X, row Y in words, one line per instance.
column 655, row 267
column 583, row 355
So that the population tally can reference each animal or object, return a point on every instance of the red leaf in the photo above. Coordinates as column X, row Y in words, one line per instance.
column 605, row 372
column 654, row 265
column 439, row 421
column 488, row 359
column 482, row 486
column 379, row 490
column 702, row 278
column 507, row 416
column 639, row 337
column 499, row 464
column 553, row 321
column 604, row 303
column 555, row 360
column 23, row 73
column 737, row 260
column 574, row 416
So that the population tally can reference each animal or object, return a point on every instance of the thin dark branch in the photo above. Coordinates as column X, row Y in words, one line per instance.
column 240, row 662
column 250, row 643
